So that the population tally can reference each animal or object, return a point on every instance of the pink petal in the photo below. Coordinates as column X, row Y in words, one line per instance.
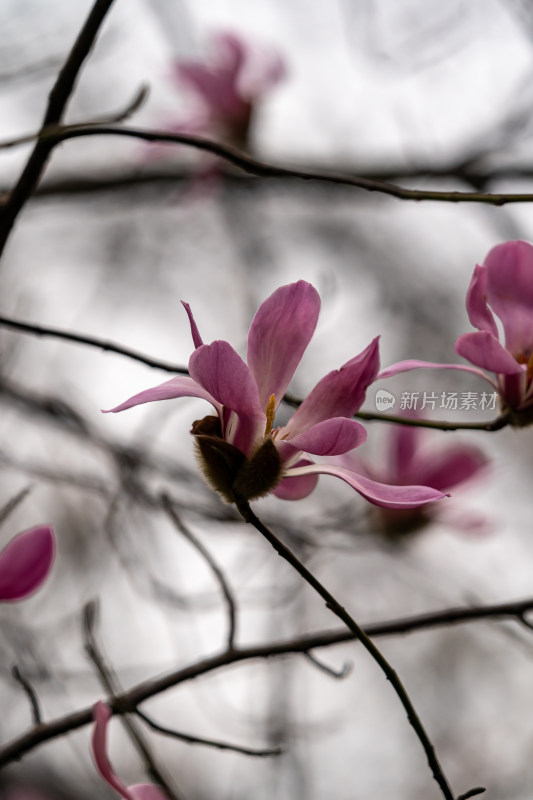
column 297, row 488
column 404, row 442
column 410, row 364
column 25, row 562
column 101, row 716
column 340, row 394
column 483, row 350
column 181, row 386
column 378, row 493
column 279, row 334
column 476, row 303
column 451, row 467
column 196, row 338
column 147, row 791
column 331, row 437
column 510, row 292
column 219, row 369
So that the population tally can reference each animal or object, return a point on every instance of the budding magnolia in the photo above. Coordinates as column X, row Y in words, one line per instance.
column 228, row 471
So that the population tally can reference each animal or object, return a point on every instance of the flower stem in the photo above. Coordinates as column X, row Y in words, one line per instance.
column 391, row 675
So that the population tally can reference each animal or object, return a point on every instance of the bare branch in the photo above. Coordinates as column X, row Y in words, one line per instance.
column 109, row 682
column 31, row 694
column 12, row 504
column 215, row 569
column 128, row 701
column 57, row 103
column 333, row 673
column 264, row 169
column 186, row 737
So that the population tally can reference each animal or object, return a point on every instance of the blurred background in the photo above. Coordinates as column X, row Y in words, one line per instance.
column 428, row 95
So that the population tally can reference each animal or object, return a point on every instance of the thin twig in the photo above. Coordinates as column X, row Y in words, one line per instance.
column 186, row 737
column 215, row 569
column 91, row 341
column 12, row 504
column 110, row 684
column 31, row 694
column 339, row 611
column 128, row 701
column 122, row 115
column 333, row 673
column 57, row 102
column 266, row 170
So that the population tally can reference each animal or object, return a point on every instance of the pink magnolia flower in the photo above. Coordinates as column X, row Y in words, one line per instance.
column 228, row 86
column 141, row 791
column 502, row 286
column 242, row 453
column 408, row 460
column 25, row 563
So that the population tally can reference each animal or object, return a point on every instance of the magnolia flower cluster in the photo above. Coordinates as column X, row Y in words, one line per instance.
column 501, row 289
column 243, row 453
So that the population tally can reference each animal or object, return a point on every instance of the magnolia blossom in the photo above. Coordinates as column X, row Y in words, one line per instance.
column 409, row 460
column 227, row 86
column 502, row 286
column 141, row 791
column 25, row 563
column 243, row 454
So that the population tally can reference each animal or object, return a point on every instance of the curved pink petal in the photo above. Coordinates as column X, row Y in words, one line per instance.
column 219, row 369
column 101, row 716
column 196, row 338
column 331, row 437
column 25, row 562
column 378, row 493
column 340, row 394
column 483, row 350
column 410, row 364
column 299, row 487
column 181, row 386
column 279, row 334
column 479, row 313
column 510, row 292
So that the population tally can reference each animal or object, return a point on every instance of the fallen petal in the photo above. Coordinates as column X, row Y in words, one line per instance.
column 25, row 562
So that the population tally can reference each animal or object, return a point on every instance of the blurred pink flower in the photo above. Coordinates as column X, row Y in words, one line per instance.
column 241, row 453
column 25, row 563
column 409, row 460
column 227, row 87
column 141, row 791
column 502, row 286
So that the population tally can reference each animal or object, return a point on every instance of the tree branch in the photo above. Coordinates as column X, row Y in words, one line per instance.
column 128, row 701
column 57, row 102
column 264, row 169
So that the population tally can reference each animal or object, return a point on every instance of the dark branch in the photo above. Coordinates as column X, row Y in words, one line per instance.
column 110, row 684
column 91, row 341
column 264, row 169
column 57, row 102
column 129, row 700
column 31, row 694
column 358, row 633
column 186, row 737
column 213, row 566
